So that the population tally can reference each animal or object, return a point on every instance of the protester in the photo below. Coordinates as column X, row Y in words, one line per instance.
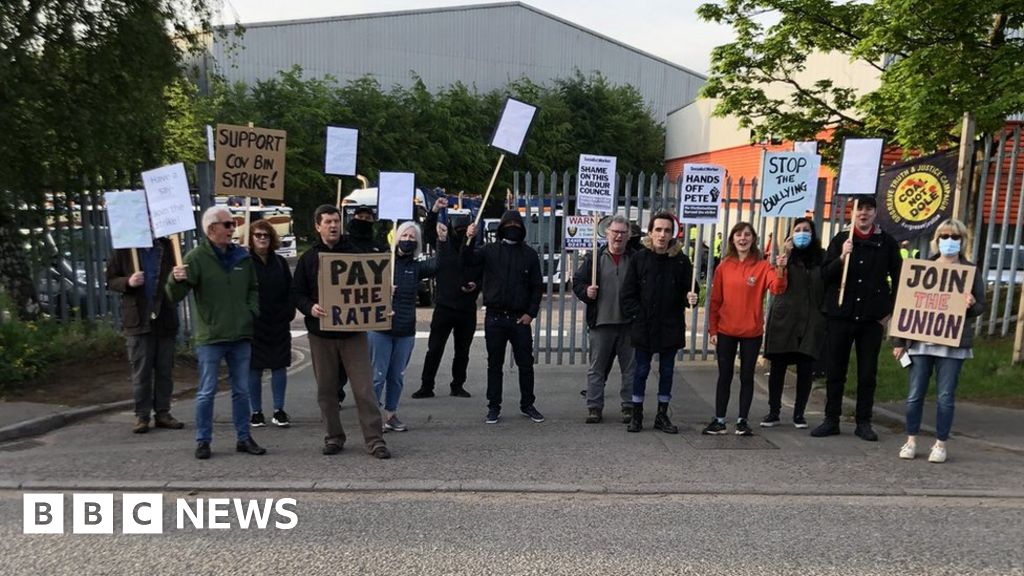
column 331, row 350
column 150, row 323
column 655, row 294
column 736, row 319
column 874, row 266
column 608, row 325
column 456, row 288
column 512, row 293
column 272, row 340
column 796, row 326
column 390, row 350
column 223, row 281
column 951, row 244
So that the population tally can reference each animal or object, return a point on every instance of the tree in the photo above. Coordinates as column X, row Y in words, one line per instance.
column 936, row 60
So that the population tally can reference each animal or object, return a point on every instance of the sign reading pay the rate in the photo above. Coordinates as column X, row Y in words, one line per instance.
column 355, row 292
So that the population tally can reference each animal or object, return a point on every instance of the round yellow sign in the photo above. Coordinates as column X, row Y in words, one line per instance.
column 918, row 196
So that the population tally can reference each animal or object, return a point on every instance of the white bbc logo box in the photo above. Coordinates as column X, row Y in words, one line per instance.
column 43, row 513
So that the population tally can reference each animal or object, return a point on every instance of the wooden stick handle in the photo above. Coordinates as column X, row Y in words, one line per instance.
column 593, row 274
column 476, row 222
column 176, row 246
column 337, row 202
column 135, row 261
column 846, row 261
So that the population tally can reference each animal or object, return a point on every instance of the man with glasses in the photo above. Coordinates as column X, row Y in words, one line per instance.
column 223, row 280
column 609, row 325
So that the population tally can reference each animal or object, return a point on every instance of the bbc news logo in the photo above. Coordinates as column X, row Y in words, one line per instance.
column 94, row 513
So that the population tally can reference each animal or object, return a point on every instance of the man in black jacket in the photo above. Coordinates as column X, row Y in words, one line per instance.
column 609, row 326
column 512, row 293
column 867, row 304
column 457, row 288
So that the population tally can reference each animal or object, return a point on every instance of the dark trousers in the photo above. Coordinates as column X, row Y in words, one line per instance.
column 666, row 363
column 725, row 351
column 151, row 359
column 442, row 324
column 500, row 330
column 866, row 339
column 777, row 380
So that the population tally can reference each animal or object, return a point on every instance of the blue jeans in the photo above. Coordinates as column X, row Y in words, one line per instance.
column 947, row 376
column 389, row 356
column 209, row 356
column 278, row 382
column 666, row 363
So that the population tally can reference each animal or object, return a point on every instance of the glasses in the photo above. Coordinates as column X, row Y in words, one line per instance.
column 260, row 235
column 618, row 232
column 949, row 236
column 229, row 224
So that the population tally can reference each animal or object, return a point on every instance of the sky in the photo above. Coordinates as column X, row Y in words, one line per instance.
column 669, row 29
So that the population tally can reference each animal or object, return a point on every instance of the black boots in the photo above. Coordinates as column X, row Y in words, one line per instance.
column 661, row 421
column 636, row 421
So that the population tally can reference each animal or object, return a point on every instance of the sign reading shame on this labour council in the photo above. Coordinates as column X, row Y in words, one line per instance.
column 595, row 184
column 129, row 219
column 170, row 204
column 931, row 301
column 701, row 199
column 579, row 232
column 789, row 183
column 249, row 162
column 355, row 292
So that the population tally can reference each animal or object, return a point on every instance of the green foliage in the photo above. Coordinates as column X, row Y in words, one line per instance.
column 936, row 59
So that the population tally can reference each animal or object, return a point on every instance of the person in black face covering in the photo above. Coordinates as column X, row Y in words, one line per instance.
column 512, row 293
column 457, row 288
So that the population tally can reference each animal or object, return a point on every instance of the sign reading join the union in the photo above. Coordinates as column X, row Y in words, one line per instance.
column 931, row 302
column 355, row 291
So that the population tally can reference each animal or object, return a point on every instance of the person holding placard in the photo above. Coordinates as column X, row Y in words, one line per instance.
column 332, row 351
column 736, row 319
column 512, row 294
column 272, row 336
column 150, row 324
column 654, row 297
column 221, row 277
column 390, row 350
column 951, row 243
column 867, row 304
column 796, row 326
column 609, row 326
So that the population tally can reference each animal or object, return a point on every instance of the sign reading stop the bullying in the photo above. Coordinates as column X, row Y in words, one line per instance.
column 355, row 291
column 789, row 183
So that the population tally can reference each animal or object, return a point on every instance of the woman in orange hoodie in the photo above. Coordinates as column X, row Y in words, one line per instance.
column 736, row 321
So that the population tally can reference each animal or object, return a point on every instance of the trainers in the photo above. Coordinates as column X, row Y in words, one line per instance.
column 716, row 428
column 331, row 448
column 393, row 424
column 423, row 393
column 743, row 429
column 165, row 420
column 770, row 421
column 829, row 427
column 909, row 450
column 141, row 426
column 800, row 422
column 460, row 392
column 281, row 419
column 203, row 450
column 381, row 453
column 532, row 413
column 257, row 420
column 627, row 414
column 864, row 432
column 492, row 416
column 938, row 454
column 593, row 415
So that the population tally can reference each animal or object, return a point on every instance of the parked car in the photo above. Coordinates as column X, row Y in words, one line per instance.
column 994, row 274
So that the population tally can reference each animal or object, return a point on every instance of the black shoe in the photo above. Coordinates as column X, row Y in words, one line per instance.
column 533, row 414
column 381, row 453
column 423, row 393
column 460, row 392
column 661, row 421
column 770, row 421
column 257, row 420
column 864, row 432
column 715, row 428
column 492, row 416
column 627, row 414
column 800, row 422
column 636, row 420
column 593, row 415
column 830, row 427
column 281, row 419
column 203, row 450
column 743, row 429
column 331, row 448
column 251, row 447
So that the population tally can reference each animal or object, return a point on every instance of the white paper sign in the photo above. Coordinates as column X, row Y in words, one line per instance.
column 808, row 147
column 858, row 172
column 129, row 219
column 395, row 195
column 701, row 198
column 579, row 232
column 595, row 184
column 210, row 153
column 513, row 126
column 789, row 184
column 170, row 205
column 341, row 151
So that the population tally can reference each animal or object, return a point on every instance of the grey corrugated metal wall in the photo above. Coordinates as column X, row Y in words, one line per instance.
column 486, row 46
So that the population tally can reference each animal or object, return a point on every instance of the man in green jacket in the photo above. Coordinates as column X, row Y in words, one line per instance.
column 222, row 277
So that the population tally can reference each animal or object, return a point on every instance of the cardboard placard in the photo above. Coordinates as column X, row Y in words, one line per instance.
column 170, row 204
column 701, row 199
column 595, row 184
column 931, row 302
column 355, row 291
column 395, row 195
column 341, row 151
column 789, row 183
column 858, row 171
column 129, row 219
column 513, row 125
column 579, row 232
column 250, row 162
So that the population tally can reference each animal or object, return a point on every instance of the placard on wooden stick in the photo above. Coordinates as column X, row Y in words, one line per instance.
column 129, row 219
column 789, row 183
column 701, row 199
column 395, row 196
column 342, row 143
column 250, row 162
column 513, row 125
column 170, row 204
column 931, row 301
column 355, row 291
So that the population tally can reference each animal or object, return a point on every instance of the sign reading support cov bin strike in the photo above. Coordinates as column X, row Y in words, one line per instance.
column 595, row 184
column 702, row 193
column 931, row 302
column 250, row 162
column 355, row 291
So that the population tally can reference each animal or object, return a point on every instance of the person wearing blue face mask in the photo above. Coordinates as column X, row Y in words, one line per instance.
column 796, row 326
column 951, row 242
column 390, row 350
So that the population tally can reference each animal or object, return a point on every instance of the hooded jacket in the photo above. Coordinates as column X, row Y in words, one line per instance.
column 654, row 297
column 511, row 272
column 452, row 274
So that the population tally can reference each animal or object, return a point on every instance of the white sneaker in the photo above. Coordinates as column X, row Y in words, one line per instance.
column 908, row 451
column 938, row 454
